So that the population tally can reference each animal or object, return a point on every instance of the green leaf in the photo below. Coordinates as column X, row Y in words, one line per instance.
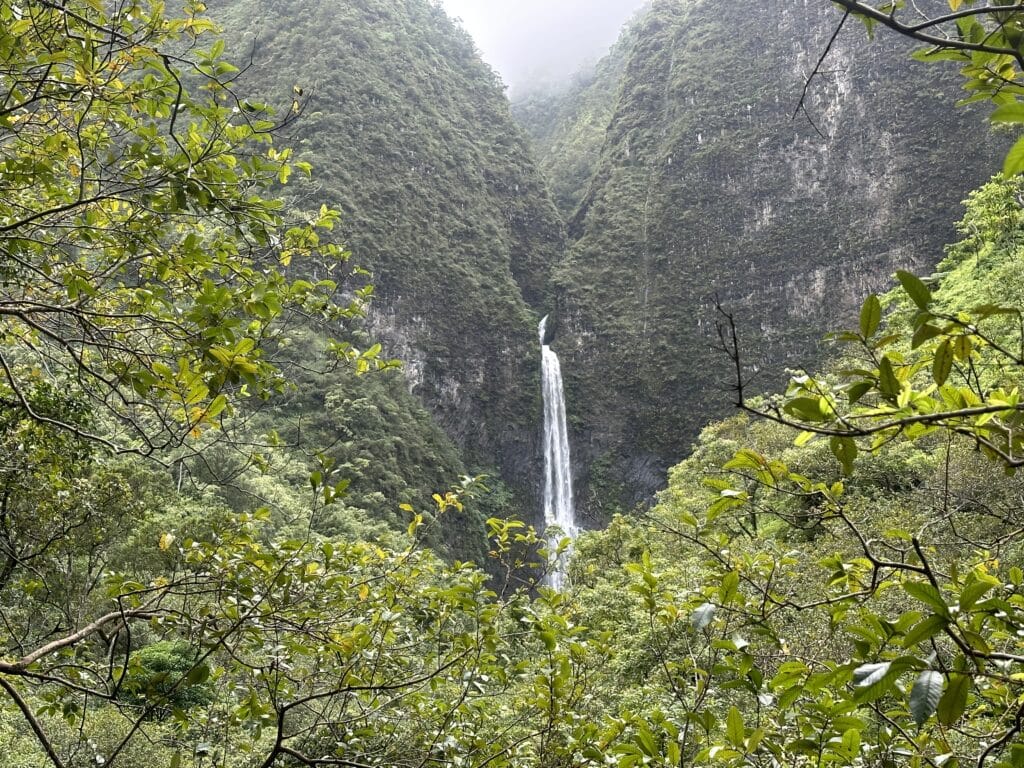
column 870, row 316
column 808, row 408
column 989, row 310
column 915, row 289
column 954, row 701
column 645, row 740
column 928, row 595
column 548, row 638
column 858, row 390
column 851, row 743
column 753, row 741
column 1008, row 113
column 675, row 755
column 925, row 695
column 734, row 728
column 845, row 450
column 198, row 675
column 1014, row 161
column 789, row 696
column 924, row 332
column 873, row 680
column 943, row 362
column 730, row 584
column 887, row 380
column 804, row 438
column 939, row 54
column 789, row 672
column 869, row 674
column 962, row 348
column 973, row 592
column 746, row 459
column 976, row 641
column 924, row 630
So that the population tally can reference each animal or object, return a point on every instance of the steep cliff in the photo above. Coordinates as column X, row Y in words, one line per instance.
column 683, row 174
column 568, row 123
column 411, row 137
column 707, row 184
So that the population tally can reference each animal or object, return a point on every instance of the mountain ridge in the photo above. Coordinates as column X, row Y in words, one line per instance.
column 411, row 137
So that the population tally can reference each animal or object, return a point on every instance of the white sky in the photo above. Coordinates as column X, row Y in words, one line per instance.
column 527, row 40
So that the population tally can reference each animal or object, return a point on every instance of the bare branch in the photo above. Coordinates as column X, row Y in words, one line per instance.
column 33, row 723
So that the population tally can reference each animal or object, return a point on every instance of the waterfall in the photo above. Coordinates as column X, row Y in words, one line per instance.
column 558, row 507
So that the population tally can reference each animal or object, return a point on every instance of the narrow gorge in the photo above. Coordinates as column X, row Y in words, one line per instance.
column 680, row 173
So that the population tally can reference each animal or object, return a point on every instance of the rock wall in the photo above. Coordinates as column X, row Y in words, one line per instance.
column 411, row 137
column 711, row 183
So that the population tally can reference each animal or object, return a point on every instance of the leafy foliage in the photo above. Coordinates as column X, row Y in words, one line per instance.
column 984, row 39
column 141, row 269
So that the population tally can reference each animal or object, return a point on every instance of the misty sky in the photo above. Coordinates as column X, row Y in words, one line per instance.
column 526, row 40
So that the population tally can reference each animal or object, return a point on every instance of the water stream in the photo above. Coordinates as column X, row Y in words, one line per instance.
column 558, row 506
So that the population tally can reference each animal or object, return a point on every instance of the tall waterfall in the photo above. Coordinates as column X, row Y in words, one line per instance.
column 558, row 506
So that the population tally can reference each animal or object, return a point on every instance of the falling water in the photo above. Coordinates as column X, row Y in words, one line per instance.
column 558, row 507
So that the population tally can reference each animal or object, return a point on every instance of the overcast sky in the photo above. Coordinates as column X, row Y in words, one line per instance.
column 526, row 40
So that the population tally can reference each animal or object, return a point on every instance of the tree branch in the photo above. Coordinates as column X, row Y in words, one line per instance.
column 33, row 722
column 18, row 667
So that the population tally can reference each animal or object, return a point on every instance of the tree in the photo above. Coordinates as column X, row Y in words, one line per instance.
column 237, row 648
column 144, row 270
column 146, row 277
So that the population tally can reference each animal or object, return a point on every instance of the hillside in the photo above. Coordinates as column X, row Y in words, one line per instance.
column 232, row 535
column 568, row 124
column 707, row 184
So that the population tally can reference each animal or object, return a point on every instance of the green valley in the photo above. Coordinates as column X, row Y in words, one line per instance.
column 352, row 415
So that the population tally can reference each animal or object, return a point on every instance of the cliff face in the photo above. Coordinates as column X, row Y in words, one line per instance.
column 683, row 175
column 707, row 185
column 410, row 135
column 568, row 124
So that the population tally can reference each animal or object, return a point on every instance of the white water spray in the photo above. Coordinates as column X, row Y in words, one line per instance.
column 558, row 506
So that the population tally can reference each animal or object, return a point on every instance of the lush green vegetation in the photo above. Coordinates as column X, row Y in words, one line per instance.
column 228, row 529
column 784, row 602
column 413, row 142
column 702, row 182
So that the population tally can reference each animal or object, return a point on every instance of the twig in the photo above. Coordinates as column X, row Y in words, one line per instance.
column 34, row 723
column 817, row 67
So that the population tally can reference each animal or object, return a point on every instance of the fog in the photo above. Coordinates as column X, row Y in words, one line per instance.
column 540, row 42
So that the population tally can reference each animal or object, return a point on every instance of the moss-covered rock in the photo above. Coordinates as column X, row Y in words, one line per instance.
column 710, row 182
